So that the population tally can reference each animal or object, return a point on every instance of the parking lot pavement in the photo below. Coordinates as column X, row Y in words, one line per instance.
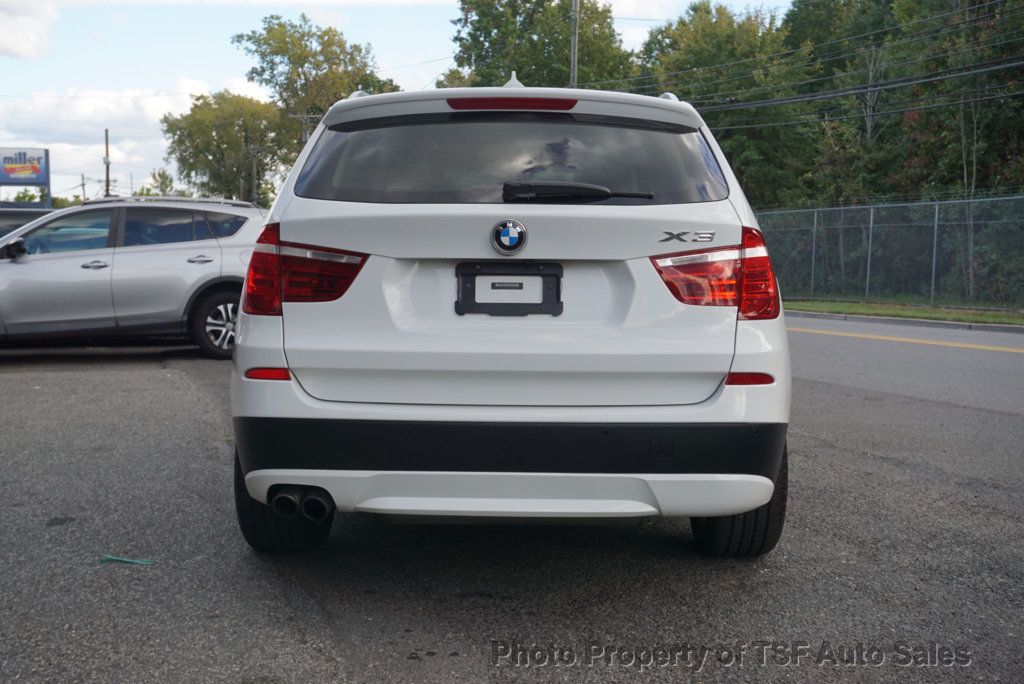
column 905, row 525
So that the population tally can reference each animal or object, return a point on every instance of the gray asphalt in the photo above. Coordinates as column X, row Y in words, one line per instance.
column 906, row 524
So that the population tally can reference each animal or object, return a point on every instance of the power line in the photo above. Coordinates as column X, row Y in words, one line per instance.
column 922, row 99
column 859, row 116
column 904, row 41
column 814, row 47
column 840, row 74
column 408, row 66
column 884, row 85
column 72, row 168
column 439, row 74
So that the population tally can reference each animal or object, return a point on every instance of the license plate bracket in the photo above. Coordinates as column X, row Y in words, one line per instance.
column 550, row 275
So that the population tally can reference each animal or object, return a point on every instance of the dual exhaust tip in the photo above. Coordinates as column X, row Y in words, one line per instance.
column 291, row 501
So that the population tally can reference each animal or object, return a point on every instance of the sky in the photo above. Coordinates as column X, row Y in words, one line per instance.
column 71, row 68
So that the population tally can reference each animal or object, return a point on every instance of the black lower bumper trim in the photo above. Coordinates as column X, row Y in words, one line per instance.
column 733, row 448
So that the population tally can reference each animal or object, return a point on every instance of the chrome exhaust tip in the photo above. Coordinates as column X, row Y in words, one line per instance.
column 317, row 505
column 286, row 502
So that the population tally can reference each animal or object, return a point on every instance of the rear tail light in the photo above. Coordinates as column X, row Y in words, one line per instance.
column 739, row 276
column 291, row 272
column 263, row 281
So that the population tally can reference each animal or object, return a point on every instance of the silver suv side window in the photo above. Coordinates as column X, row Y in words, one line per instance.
column 153, row 226
column 225, row 225
column 77, row 232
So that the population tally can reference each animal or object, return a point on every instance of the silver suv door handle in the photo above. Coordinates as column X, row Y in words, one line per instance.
column 94, row 265
column 201, row 259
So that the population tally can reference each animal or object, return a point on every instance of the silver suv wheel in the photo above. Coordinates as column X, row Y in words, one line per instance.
column 220, row 325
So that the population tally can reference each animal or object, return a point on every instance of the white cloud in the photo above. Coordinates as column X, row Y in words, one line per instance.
column 647, row 9
column 70, row 124
column 76, row 114
column 26, row 27
column 241, row 86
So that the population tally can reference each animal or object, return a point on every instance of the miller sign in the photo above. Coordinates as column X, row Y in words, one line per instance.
column 21, row 166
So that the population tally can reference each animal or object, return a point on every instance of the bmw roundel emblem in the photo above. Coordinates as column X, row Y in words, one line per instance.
column 508, row 236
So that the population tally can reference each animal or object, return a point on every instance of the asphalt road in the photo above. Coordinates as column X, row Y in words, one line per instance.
column 906, row 524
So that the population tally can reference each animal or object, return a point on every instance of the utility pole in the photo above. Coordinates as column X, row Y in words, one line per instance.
column 306, row 119
column 574, row 45
column 83, row 187
column 106, row 160
column 254, row 151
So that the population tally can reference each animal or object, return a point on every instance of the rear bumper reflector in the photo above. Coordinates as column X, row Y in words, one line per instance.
column 268, row 374
column 749, row 379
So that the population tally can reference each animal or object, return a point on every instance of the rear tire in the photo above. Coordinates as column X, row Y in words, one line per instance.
column 754, row 533
column 213, row 323
column 267, row 532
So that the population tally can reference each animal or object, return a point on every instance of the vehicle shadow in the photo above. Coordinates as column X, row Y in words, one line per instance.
column 120, row 352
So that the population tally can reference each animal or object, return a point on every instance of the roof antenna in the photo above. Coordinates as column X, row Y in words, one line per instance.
column 513, row 82
column 358, row 92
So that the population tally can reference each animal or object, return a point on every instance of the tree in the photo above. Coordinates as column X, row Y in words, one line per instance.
column 307, row 68
column 214, row 145
column 64, row 203
column 456, row 78
column 161, row 184
column 493, row 38
column 711, row 57
column 975, row 142
column 30, row 195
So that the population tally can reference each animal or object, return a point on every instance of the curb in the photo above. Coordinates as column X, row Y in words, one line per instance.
column 920, row 322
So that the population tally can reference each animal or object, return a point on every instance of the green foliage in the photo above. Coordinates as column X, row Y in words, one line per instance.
column 161, row 184
column 214, row 144
column 307, row 68
column 30, row 195
column 772, row 162
column 64, row 203
column 456, row 78
column 942, row 151
column 532, row 38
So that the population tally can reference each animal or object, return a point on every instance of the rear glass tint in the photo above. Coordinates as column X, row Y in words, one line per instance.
column 467, row 159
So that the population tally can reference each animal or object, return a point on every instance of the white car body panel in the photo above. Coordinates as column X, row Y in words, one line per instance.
column 526, row 495
column 392, row 350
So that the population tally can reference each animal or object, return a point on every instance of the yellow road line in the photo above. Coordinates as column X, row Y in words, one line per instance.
column 911, row 340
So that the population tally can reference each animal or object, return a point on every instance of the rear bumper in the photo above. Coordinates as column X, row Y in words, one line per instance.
column 526, row 469
column 525, row 495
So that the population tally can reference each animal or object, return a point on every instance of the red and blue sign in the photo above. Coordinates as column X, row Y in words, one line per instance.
column 24, row 166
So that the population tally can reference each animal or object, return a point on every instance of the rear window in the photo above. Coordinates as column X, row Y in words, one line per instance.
column 225, row 225
column 467, row 158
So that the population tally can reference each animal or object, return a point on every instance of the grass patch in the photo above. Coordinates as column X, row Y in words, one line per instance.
column 934, row 313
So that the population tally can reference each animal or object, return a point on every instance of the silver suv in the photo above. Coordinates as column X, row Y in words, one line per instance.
column 129, row 267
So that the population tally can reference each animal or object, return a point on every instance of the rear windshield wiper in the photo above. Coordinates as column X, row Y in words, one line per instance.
column 554, row 191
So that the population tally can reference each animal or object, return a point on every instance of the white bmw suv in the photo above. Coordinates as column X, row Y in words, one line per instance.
column 507, row 302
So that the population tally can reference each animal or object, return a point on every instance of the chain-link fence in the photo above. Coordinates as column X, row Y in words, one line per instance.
column 967, row 252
